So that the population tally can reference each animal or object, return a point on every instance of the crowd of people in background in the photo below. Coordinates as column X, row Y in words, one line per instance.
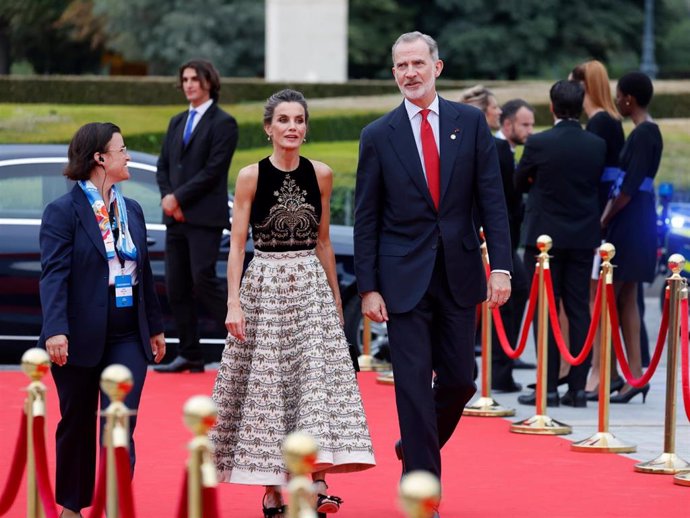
column 286, row 365
column 582, row 189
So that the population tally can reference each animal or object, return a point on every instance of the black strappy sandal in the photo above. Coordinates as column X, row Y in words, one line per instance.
column 271, row 512
column 326, row 504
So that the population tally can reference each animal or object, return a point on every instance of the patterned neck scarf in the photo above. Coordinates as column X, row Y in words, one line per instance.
column 125, row 246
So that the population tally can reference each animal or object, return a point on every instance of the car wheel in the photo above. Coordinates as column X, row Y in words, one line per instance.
column 354, row 328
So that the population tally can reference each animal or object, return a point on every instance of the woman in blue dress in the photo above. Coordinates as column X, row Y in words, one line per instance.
column 630, row 216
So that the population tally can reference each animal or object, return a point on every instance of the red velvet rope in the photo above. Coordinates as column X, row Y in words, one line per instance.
column 500, row 329
column 618, row 342
column 45, row 490
column 98, row 502
column 14, row 480
column 124, row 483
column 556, row 326
column 685, row 357
column 182, row 508
column 209, row 497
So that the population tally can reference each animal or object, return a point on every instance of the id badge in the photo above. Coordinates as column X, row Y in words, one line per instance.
column 123, row 291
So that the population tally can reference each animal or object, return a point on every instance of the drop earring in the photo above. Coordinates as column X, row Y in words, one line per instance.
column 268, row 138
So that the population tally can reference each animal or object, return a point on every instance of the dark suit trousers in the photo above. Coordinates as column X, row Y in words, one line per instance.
column 570, row 270
column 191, row 253
column 511, row 314
column 437, row 335
column 78, row 391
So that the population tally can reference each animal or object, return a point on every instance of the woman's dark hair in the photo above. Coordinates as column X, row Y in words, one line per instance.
column 639, row 86
column 89, row 139
column 206, row 73
column 284, row 96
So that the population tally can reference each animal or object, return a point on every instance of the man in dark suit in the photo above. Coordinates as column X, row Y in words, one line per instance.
column 560, row 168
column 421, row 169
column 193, row 180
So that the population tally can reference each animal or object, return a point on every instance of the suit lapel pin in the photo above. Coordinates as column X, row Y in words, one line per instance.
column 452, row 135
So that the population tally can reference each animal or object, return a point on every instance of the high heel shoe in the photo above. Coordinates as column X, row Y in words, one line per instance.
column 625, row 397
column 616, row 385
column 326, row 503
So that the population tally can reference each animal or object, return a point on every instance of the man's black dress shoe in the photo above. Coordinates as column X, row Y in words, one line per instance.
column 575, row 398
column 399, row 454
column 506, row 389
column 520, row 364
column 531, row 399
column 181, row 364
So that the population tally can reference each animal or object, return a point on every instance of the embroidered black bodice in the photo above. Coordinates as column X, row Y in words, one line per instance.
column 287, row 208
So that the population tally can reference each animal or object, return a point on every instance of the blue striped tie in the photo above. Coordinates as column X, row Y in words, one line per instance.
column 188, row 127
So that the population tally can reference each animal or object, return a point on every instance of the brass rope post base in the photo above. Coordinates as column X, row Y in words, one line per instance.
column 485, row 406
column 682, row 479
column 604, row 441
column 668, row 463
column 385, row 378
column 664, row 464
column 542, row 424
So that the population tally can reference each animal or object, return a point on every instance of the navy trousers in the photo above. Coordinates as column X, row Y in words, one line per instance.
column 436, row 336
column 78, row 391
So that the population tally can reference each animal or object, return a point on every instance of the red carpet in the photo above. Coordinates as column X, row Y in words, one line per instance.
column 488, row 472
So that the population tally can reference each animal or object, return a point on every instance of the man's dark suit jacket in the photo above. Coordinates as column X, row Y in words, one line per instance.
column 74, row 278
column 397, row 229
column 561, row 168
column 198, row 173
column 506, row 161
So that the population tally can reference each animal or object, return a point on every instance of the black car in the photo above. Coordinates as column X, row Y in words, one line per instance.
column 31, row 177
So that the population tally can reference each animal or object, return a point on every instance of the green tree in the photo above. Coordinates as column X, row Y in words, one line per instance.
column 518, row 38
column 372, row 29
column 165, row 33
column 29, row 30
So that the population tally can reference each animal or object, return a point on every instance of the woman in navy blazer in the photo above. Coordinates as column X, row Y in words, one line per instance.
column 93, row 239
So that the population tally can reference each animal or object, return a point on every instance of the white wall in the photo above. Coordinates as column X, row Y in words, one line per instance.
column 306, row 40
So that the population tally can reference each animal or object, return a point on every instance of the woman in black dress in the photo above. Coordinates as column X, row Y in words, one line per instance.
column 286, row 365
column 630, row 216
column 605, row 122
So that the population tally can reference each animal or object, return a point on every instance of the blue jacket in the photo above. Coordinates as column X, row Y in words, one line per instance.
column 74, row 278
column 397, row 228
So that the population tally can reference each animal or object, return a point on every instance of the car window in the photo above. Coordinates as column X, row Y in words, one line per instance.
column 26, row 188
column 143, row 188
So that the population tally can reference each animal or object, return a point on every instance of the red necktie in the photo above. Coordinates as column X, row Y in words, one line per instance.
column 431, row 160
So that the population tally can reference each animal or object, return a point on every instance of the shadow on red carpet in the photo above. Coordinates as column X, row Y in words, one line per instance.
column 488, row 472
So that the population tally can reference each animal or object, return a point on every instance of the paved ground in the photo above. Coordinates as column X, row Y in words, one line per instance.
column 636, row 423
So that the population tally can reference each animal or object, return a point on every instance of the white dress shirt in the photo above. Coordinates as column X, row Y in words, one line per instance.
column 200, row 110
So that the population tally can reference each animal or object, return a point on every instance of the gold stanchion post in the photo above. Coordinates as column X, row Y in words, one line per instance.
column 541, row 423
column 35, row 364
column 366, row 361
column 299, row 454
column 420, row 494
column 603, row 441
column 200, row 413
column 116, row 382
column 485, row 405
column 668, row 462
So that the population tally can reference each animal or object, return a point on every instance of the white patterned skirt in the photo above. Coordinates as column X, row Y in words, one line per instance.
column 292, row 373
